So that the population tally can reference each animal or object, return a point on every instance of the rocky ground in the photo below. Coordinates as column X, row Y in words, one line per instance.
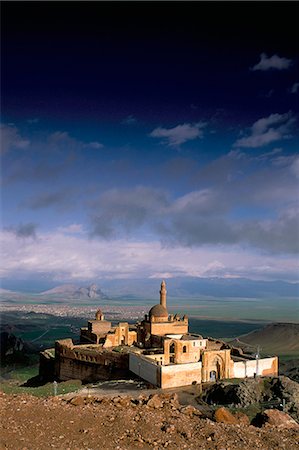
column 270, row 391
column 122, row 423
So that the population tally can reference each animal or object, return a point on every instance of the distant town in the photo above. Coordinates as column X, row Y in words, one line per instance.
column 86, row 311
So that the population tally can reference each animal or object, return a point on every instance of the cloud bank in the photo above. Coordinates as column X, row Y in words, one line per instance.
column 198, row 218
column 61, row 257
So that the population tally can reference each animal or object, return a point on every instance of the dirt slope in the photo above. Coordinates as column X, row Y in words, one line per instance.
column 123, row 424
column 275, row 338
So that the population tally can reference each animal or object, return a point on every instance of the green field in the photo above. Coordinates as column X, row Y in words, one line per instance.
column 235, row 309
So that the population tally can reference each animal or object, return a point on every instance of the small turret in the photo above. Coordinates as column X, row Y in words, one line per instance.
column 99, row 315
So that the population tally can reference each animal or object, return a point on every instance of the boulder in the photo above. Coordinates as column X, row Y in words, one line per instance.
column 77, row 401
column 274, row 418
column 155, row 401
column 223, row 415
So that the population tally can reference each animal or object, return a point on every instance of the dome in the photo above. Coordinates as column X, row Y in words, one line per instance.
column 158, row 311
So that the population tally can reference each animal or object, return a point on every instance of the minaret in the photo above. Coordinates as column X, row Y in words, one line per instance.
column 163, row 293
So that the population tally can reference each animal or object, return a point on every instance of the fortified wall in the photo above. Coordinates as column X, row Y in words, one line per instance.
column 88, row 362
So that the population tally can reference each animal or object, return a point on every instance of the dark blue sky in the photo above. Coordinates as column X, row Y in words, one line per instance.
column 78, row 59
column 135, row 128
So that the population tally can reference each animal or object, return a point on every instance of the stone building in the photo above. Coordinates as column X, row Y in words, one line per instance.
column 96, row 329
column 158, row 349
column 99, row 331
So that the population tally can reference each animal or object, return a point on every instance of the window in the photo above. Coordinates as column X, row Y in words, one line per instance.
column 184, row 349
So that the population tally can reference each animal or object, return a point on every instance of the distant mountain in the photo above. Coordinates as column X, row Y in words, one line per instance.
column 11, row 296
column 6, row 292
column 148, row 289
column 73, row 292
column 64, row 289
column 194, row 287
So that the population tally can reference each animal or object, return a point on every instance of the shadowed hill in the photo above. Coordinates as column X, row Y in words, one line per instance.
column 275, row 338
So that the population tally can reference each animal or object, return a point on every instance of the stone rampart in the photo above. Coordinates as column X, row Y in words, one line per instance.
column 88, row 362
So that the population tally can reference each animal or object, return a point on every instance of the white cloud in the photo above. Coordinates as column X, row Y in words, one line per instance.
column 268, row 155
column 64, row 257
column 180, row 134
column 200, row 202
column 272, row 62
column 267, row 130
column 10, row 138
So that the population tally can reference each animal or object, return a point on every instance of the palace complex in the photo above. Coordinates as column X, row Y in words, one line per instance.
column 158, row 349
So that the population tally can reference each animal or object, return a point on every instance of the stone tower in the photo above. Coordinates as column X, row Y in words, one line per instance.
column 163, row 293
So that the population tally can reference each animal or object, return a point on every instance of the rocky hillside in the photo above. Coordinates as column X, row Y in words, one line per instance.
column 12, row 349
column 154, row 422
column 273, row 391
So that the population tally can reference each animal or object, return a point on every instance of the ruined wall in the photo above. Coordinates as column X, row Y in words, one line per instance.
column 180, row 375
column 261, row 367
column 146, row 369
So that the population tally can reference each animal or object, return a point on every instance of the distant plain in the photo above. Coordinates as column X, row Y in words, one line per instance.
column 221, row 318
